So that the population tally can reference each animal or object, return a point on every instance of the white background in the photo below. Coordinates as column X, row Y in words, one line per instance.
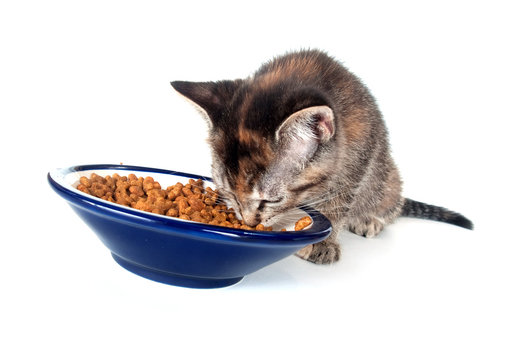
column 88, row 82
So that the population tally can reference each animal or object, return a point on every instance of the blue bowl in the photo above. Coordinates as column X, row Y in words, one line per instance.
column 175, row 251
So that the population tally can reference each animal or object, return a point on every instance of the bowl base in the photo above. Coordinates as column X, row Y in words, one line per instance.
column 174, row 279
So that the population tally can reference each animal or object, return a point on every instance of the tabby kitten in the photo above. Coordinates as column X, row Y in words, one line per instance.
column 303, row 130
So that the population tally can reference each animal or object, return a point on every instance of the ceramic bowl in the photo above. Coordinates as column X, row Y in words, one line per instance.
column 174, row 251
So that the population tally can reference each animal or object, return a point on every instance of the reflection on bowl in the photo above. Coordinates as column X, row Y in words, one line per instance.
column 175, row 251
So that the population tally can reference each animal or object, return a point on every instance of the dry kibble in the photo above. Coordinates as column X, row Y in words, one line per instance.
column 303, row 223
column 137, row 190
column 188, row 202
column 83, row 188
column 85, row 181
column 187, row 191
column 173, row 212
column 196, row 204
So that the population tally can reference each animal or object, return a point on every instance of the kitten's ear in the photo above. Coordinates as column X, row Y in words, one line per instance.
column 316, row 122
column 301, row 133
column 209, row 97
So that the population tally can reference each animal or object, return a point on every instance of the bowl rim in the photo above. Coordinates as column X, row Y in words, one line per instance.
column 321, row 226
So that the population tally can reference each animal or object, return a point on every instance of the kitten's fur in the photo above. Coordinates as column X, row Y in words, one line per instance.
column 304, row 130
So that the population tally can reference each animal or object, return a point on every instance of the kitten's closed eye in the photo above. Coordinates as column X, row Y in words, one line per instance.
column 264, row 203
column 273, row 201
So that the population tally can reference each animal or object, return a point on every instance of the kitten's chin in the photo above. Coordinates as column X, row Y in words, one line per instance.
column 277, row 222
column 284, row 219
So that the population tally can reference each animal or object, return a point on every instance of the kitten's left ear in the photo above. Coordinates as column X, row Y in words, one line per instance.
column 301, row 133
column 209, row 97
column 316, row 122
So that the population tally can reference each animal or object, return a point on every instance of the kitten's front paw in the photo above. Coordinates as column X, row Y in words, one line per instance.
column 368, row 228
column 325, row 252
column 305, row 252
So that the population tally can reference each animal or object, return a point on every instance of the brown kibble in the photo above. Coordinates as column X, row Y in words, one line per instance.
column 83, row 188
column 195, row 216
column 187, row 191
column 174, row 193
column 188, row 211
column 173, row 212
column 196, row 204
column 221, row 217
column 98, row 189
column 189, row 202
column 85, row 181
column 303, row 223
column 182, row 204
column 156, row 194
column 135, row 189
column 227, row 224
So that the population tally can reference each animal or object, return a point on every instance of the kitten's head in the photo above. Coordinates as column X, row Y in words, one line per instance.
column 266, row 142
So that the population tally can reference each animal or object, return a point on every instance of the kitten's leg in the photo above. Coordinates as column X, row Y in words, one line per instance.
column 366, row 226
column 324, row 252
column 386, row 197
column 371, row 225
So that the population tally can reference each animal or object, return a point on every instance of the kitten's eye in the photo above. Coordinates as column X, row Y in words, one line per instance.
column 265, row 202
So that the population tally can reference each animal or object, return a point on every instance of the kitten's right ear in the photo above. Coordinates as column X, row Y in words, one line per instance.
column 209, row 97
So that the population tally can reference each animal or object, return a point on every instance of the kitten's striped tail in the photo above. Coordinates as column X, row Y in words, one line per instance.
column 421, row 210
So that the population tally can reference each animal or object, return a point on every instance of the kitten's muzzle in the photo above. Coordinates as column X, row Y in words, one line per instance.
column 250, row 219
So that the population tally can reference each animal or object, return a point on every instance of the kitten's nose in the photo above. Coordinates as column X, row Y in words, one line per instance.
column 250, row 219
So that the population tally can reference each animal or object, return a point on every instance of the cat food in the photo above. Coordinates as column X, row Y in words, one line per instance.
column 303, row 223
column 190, row 202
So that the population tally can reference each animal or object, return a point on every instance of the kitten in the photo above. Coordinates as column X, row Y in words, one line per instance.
column 304, row 130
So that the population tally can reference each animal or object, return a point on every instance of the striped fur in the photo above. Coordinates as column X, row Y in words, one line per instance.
column 421, row 210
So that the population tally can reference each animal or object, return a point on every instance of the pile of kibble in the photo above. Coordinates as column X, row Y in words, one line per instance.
column 189, row 202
